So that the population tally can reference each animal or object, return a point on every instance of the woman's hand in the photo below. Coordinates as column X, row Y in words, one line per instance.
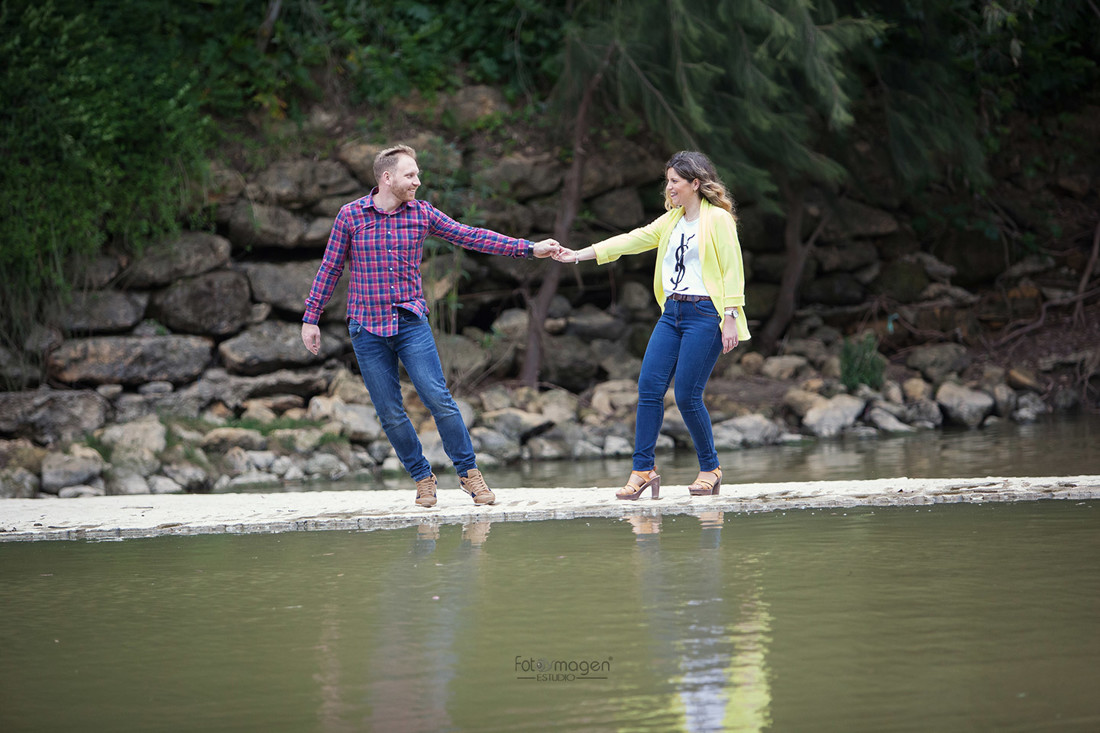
column 566, row 255
column 729, row 335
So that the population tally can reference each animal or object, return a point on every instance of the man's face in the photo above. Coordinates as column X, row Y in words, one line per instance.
column 404, row 179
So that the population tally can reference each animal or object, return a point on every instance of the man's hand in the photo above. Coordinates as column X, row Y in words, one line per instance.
column 311, row 337
column 546, row 248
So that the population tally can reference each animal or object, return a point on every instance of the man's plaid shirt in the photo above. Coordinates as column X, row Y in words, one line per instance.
column 384, row 251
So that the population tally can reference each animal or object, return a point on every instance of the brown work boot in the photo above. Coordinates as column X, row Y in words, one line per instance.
column 474, row 485
column 425, row 490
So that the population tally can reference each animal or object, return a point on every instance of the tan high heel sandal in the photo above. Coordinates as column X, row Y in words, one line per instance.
column 650, row 480
column 702, row 487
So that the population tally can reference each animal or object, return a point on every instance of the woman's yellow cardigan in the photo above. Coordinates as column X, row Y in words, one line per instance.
column 720, row 255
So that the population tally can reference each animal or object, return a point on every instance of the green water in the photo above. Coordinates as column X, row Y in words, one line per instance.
column 943, row 618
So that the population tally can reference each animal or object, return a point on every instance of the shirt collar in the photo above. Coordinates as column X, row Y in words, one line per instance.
column 367, row 202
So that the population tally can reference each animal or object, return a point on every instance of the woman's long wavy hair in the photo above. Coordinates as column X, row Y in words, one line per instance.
column 690, row 166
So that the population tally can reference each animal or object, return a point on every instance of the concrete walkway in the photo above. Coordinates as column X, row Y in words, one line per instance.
column 114, row 517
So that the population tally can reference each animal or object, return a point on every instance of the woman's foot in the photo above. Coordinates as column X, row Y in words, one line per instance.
column 706, row 483
column 638, row 482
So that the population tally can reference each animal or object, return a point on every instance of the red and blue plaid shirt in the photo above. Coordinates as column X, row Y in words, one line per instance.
column 385, row 250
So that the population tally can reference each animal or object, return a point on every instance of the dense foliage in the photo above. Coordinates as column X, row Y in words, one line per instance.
column 107, row 109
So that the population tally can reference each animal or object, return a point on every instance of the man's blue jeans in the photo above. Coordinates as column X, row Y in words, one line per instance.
column 685, row 344
column 415, row 346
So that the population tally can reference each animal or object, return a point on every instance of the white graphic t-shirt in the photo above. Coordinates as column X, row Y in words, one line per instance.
column 681, row 269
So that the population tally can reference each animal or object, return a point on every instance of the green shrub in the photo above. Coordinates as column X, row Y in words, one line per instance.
column 860, row 363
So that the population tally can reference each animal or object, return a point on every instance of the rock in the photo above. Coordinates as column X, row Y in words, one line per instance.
column 326, row 466
column 752, row 363
column 924, row 411
column 783, row 367
column 188, row 475
column 727, row 437
column 904, row 280
column 846, row 257
column 82, row 491
column 615, row 446
column 935, row 362
column 130, row 361
column 516, row 424
column 829, row 419
column 854, row 220
column 17, row 482
column 49, row 416
column 163, row 485
column 272, row 345
column 755, row 429
column 220, row 440
column 915, row 389
column 838, row 288
column 494, row 443
column 285, row 285
column 298, row 183
column 191, row 254
column 568, row 362
column 814, row 350
column 1029, row 407
column 22, row 453
column 886, row 421
column 519, row 175
column 216, row 303
column 963, row 405
column 1004, row 400
column 462, row 359
column 103, row 311
column 589, row 322
column 136, row 445
column 801, row 401
column 123, row 481
column 261, row 225
column 471, row 104
column 78, row 466
column 619, row 209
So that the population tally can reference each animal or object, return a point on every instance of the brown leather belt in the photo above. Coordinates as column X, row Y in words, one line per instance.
column 688, row 298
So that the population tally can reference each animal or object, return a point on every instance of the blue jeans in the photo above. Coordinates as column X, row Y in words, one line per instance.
column 685, row 344
column 415, row 346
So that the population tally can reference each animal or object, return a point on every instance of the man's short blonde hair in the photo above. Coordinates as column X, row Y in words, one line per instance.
column 387, row 159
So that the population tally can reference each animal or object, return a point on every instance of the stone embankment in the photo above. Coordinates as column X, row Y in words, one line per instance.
column 181, row 369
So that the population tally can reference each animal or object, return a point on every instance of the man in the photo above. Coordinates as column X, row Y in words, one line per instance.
column 382, row 236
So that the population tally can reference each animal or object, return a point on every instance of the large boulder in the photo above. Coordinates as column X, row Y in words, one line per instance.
column 48, row 416
column 192, row 253
column 104, row 311
column 298, row 183
column 79, row 465
column 936, row 361
column 272, row 345
column 828, row 419
column 262, row 225
column 136, row 445
column 216, row 303
column 130, row 360
column 962, row 405
column 285, row 285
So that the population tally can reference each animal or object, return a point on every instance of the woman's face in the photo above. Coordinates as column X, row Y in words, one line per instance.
column 680, row 190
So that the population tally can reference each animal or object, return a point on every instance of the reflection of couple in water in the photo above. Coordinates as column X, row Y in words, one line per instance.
column 712, row 627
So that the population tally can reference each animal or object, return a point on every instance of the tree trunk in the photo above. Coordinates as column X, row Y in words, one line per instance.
column 563, row 224
column 797, row 252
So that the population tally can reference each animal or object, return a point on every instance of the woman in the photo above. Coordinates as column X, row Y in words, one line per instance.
column 699, row 283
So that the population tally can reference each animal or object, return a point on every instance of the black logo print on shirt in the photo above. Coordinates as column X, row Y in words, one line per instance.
column 680, row 269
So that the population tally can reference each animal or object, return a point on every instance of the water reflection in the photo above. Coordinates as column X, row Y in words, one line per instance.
column 883, row 620
column 717, row 643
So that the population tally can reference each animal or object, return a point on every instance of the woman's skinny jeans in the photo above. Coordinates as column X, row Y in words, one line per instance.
column 685, row 344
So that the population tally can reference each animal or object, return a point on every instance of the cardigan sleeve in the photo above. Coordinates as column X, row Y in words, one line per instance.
column 641, row 239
